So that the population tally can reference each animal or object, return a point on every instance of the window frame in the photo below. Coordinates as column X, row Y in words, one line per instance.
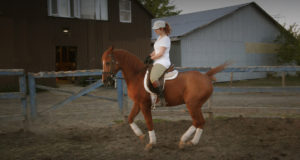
column 122, row 10
column 59, row 9
column 74, row 9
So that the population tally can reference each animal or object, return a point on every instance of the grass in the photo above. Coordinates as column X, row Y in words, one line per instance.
column 118, row 121
column 269, row 81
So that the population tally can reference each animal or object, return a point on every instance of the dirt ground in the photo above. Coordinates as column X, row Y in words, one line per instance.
column 94, row 129
column 228, row 138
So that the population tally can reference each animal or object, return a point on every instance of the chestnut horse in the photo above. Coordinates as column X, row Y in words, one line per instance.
column 191, row 88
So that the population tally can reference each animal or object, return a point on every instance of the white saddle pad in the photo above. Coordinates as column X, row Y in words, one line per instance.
column 171, row 75
column 168, row 76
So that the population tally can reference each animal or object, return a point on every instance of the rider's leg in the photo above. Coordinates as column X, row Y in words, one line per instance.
column 156, row 72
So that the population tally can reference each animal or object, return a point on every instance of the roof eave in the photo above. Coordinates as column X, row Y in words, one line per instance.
column 177, row 38
column 252, row 3
column 139, row 3
column 270, row 17
column 227, row 15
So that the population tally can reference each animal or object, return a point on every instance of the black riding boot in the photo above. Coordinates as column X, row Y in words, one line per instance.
column 160, row 93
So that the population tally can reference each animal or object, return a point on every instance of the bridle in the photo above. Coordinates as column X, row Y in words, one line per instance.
column 111, row 75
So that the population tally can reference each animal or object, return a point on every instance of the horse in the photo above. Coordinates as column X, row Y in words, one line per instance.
column 191, row 88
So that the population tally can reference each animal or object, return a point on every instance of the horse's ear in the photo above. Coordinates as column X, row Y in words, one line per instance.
column 111, row 48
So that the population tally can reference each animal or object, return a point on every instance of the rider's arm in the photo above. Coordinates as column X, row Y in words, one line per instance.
column 161, row 53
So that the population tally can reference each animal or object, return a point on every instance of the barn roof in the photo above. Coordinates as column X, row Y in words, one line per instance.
column 187, row 23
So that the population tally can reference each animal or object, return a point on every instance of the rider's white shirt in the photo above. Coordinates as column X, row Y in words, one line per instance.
column 163, row 42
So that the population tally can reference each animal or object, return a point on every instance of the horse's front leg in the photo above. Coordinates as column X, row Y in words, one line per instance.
column 134, row 111
column 148, row 118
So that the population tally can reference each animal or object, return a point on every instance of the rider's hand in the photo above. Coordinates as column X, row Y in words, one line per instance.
column 152, row 54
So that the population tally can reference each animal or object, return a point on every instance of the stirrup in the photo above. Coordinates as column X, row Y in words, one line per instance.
column 153, row 107
column 162, row 102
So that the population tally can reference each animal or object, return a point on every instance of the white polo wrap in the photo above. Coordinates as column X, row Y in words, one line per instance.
column 152, row 137
column 188, row 134
column 136, row 129
column 197, row 136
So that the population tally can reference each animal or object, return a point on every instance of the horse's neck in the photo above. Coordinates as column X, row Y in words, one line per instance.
column 131, row 68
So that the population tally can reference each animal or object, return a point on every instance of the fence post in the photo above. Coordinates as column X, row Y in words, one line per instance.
column 22, row 88
column 231, row 78
column 120, row 91
column 210, row 111
column 283, row 79
column 125, row 101
column 32, row 93
column 22, row 85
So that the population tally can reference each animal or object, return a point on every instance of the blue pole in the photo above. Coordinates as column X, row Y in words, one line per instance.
column 125, row 88
column 80, row 93
column 32, row 92
column 120, row 90
column 22, row 84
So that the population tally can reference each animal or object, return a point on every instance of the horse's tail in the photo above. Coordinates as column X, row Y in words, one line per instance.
column 217, row 69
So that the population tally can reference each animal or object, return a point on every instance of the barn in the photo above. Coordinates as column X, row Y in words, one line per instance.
column 48, row 35
column 243, row 34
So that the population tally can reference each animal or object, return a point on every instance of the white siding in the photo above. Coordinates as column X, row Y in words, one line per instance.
column 225, row 40
column 175, row 55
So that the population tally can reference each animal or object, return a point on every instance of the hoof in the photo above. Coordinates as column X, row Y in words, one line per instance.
column 181, row 144
column 148, row 147
column 142, row 137
column 189, row 144
column 185, row 144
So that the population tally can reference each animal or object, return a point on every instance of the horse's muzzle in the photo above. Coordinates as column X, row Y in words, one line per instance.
column 108, row 82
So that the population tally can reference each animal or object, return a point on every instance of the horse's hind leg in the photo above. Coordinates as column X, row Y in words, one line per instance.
column 198, row 123
column 134, row 111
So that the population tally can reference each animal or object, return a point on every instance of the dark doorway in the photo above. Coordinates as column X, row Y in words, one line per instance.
column 66, row 60
column 66, row 57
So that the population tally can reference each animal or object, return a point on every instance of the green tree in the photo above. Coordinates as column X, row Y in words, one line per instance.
column 160, row 8
column 289, row 50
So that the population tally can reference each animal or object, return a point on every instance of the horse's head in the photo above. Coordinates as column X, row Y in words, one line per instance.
column 110, row 67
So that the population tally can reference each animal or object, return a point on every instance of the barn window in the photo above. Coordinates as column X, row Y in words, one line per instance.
column 59, row 8
column 94, row 9
column 83, row 9
column 125, row 11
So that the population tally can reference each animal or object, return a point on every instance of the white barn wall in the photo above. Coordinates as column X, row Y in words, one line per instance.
column 175, row 56
column 225, row 40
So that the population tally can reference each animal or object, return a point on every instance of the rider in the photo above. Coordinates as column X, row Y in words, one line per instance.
column 160, row 55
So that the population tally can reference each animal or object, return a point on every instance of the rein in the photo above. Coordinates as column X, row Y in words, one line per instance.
column 113, row 62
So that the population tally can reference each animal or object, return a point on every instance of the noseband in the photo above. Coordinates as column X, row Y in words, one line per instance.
column 111, row 75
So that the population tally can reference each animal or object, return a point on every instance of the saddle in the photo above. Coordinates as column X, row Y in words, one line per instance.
column 168, row 73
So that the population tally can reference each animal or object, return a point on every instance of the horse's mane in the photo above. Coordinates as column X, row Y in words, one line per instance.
column 130, row 59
